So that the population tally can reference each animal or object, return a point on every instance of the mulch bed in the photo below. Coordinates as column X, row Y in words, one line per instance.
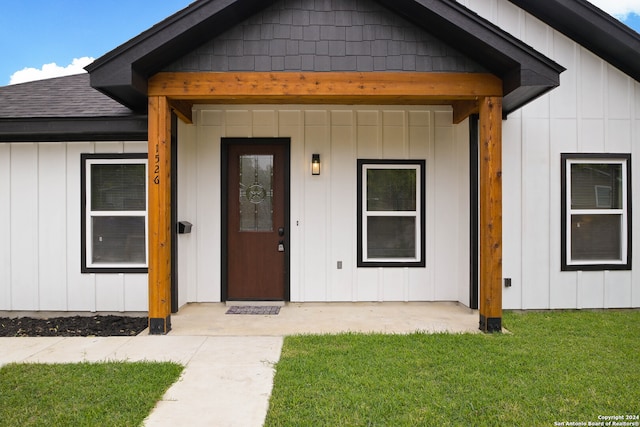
column 74, row 326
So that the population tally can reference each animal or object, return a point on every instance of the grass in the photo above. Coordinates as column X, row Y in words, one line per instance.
column 82, row 394
column 554, row 367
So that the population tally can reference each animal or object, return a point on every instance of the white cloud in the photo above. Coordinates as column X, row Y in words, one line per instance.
column 50, row 70
column 618, row 8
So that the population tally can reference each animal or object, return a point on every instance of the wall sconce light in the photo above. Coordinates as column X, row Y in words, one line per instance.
column 315, row 164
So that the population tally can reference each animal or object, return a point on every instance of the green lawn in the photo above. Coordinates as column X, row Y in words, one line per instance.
column 82, row 394
column 554, row 367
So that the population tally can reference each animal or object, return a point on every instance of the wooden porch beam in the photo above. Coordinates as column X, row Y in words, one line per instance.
column 462, row 110
column 182, row 109
column 490, row 149
column 325, row 88
column 159, row 212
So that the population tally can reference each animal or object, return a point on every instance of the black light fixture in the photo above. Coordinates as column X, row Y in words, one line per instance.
column 315, row 164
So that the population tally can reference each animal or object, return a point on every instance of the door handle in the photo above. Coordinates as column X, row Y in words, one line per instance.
column 281, row 246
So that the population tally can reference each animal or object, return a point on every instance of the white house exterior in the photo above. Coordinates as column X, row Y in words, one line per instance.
column 51, row 210
column 596, row 109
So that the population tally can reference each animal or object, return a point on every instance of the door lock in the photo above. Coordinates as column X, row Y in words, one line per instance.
column 281, row 246
column 281, row 231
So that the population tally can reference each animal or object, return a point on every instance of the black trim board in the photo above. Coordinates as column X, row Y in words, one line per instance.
column 83, row 220
column 224, row 183
column 224, row 218
column 174, row 213
column 52, row 129
column 565, row 266
column 474, row 212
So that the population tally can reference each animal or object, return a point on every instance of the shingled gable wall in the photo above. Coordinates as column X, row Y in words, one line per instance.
column 343, row 35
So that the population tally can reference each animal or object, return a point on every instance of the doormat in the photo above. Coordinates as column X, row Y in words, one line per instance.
column 253, row 309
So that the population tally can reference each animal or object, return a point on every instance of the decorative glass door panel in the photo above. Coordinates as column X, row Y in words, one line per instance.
column 256, row 238
column 256, row 192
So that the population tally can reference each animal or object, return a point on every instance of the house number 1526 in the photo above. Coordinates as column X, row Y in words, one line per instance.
column 156, row 167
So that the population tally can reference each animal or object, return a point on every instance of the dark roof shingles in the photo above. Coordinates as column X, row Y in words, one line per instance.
column 69, row 96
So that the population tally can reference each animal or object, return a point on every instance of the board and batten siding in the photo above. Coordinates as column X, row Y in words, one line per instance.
column 596, row 109
column 40, row 233
column 323, row 208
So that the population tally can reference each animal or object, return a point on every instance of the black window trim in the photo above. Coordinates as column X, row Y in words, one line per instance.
column 565, row 266
column 421, row 207
column 83, row 217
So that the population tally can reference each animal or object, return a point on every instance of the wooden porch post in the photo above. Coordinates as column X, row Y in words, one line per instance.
column 159, row 211
column 490, row 149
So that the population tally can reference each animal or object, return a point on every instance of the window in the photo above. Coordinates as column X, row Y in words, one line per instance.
column 391, row 213
column 114, row 213
column 596, row 212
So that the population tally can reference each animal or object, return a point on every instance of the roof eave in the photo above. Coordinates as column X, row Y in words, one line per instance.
column 592, row 28
column 56, row 129
column 132, row 96
column 120, row 72
column 526, row 73
column 523, row 86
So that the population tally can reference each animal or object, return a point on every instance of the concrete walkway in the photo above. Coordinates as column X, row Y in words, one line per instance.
column 229, row 359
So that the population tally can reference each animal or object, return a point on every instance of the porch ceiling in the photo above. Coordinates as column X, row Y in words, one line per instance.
column 525, row 74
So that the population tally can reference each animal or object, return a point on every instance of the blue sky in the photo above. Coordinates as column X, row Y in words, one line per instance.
column 34, row 33
column 38, row 32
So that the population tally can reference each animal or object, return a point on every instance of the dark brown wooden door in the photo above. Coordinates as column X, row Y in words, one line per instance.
column 256, row 225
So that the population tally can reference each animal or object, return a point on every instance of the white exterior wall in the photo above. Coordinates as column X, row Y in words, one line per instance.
column 323, row 208
column 40, row 233
column 596, row 109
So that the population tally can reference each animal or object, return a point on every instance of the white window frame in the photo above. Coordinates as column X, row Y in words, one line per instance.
column 418, row 214
column 602, row 264
column 89, row 265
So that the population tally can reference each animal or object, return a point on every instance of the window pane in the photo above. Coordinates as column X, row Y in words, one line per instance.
column 596, row 186
column 391, row 189
column 256, row 193
column 391, row 237
column 118, row 239
column 118, row 187
column 596, row 237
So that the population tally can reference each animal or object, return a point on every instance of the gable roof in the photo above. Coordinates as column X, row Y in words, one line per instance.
column 122, row 73
column 65, row 108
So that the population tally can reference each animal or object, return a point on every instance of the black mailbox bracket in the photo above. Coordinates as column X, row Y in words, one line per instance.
column 184, row 227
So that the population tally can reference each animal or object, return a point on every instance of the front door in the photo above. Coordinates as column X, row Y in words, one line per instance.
column 256, row 218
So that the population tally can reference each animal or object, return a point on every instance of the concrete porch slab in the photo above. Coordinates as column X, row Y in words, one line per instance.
column 327, row 318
